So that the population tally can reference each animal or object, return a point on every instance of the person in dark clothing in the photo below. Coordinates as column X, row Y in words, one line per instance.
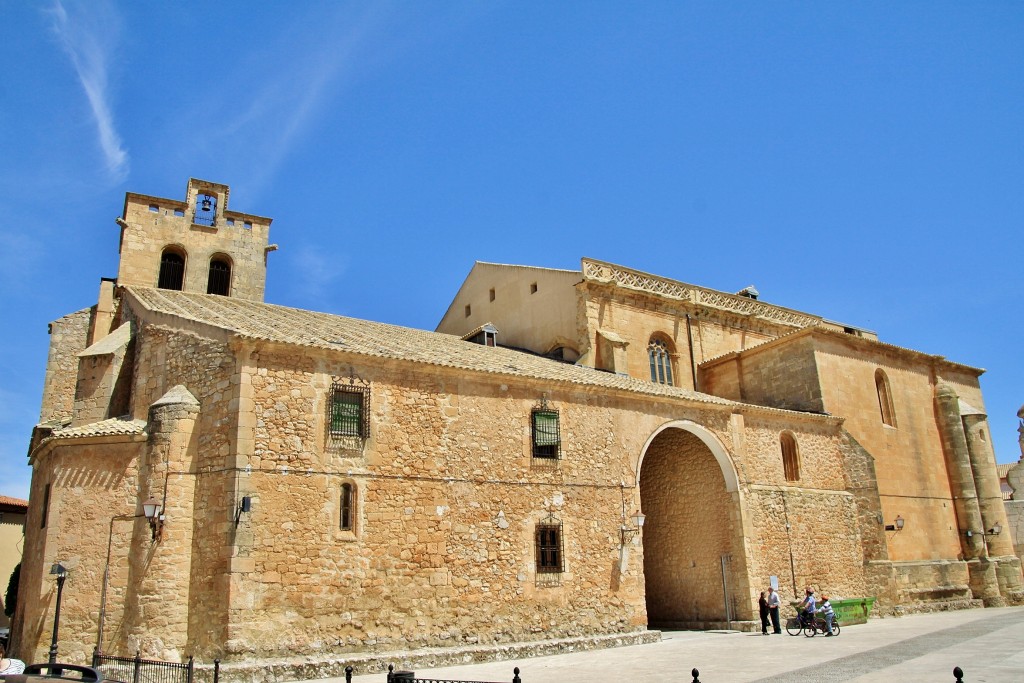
column 762, row 604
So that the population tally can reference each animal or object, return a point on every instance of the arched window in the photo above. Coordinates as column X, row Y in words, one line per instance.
column 348, row 506
column 659, row 354
column 219, row 281
column 790, row 456
column 172, row 270
column 884, row 398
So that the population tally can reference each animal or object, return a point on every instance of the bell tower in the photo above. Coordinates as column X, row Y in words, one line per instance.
column 197, row 245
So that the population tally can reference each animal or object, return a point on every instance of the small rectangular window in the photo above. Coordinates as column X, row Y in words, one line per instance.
column 154, row 208
column 231, row 222
column 492, row 293
column 248, row 225
column 346, row 506
column 46, row 507
column 533, row 288
column 549, row 548
column 179, row 213
column 468, row 310
column 348, row 411
column 546, row 438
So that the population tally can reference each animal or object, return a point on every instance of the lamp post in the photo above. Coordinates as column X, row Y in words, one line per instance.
column 61, row 573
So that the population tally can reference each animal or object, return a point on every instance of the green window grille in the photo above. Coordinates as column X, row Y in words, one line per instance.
column 348, row 411
column 546, row 438
column 549, row 548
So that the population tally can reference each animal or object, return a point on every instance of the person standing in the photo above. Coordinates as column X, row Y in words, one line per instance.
column 773, row 610
column 762, row 605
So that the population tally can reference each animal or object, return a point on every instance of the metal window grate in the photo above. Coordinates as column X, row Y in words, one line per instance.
column 550, row 558
column 347, row 491
column 172, row 271
column 546, row 436
column 348, row 410
column 219, row 280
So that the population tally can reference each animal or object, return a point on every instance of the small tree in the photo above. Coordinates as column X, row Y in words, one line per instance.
column 11, row 597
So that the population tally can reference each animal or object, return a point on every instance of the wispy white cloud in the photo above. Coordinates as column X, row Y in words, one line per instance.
column 288, row 88
column 85, row 34
column 320, row 270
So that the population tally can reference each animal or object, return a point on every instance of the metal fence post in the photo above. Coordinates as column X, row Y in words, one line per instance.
column 959, row 673
column 216, row 671
column 191, row 668
column 138, row 666
column 95, row 657
column 391, row 672
column 348, row 674
column 515, row 676
column 695, row 674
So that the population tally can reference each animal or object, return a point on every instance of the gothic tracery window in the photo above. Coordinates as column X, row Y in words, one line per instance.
column 661, row 361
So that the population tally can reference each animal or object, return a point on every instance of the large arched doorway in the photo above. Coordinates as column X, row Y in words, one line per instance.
column 694, row 569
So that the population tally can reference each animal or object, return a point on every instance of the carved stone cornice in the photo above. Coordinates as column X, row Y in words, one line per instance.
column 607, row 273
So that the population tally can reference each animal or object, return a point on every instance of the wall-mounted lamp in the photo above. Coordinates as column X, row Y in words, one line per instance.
column 244, row 505
column 897, row 526
column 152, row 511
column 629, row 533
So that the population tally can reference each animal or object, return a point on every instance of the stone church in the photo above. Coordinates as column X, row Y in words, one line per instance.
column 572, row 454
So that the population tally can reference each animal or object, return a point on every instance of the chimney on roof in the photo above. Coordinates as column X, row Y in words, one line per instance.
column 750, row 291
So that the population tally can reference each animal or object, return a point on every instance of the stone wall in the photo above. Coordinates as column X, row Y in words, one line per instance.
column 910, row 465
column 68, row 337
column 91, row 502
column 780, row 375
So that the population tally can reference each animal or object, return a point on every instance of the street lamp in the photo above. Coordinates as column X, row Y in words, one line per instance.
column 629, row 533
column 153, row 512
column 61, row 573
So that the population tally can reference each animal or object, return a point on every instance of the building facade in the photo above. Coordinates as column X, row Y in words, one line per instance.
column 572, row 454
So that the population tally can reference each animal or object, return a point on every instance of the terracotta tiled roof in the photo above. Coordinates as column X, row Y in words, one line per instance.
column 784, row 338
column 261, row 321
column 1004, row 468
column 13, row 502
column 113, row 426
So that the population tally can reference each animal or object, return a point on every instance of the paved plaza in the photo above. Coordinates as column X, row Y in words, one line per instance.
column 986, row 643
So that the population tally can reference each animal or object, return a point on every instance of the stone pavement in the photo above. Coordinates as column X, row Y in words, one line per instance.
column 986, row 643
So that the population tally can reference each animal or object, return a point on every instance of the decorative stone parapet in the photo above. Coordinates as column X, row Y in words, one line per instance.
column 607, row 273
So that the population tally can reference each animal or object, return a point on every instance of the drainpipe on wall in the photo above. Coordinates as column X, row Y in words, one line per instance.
column 693, row 362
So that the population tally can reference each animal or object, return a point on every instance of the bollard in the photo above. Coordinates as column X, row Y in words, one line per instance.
column 695, row 674
column 515, row 676
column 216, row 671
column 959, row 673
column 348, row 674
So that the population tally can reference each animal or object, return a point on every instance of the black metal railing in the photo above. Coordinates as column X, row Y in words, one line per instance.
column 958, row 674
column 138, row 670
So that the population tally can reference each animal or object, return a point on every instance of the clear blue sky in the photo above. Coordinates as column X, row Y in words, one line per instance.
column 863, row 161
